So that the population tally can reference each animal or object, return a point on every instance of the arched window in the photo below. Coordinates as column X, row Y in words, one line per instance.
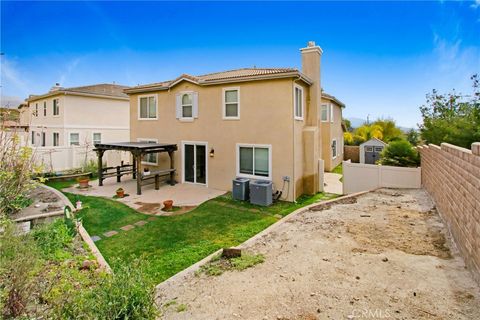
column 187, row 105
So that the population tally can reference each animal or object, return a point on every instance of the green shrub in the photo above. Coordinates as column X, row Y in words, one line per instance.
column 400, row 154
column 124, row 295
column 55, row 240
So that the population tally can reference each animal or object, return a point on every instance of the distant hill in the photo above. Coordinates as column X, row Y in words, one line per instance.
column 356, row 122
column 13, row 114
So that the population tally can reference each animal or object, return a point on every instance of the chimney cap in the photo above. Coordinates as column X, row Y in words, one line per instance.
column 311, row 44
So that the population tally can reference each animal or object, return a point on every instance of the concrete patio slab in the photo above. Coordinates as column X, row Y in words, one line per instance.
column 182, row 194
column 109, row 234
column 127, row 227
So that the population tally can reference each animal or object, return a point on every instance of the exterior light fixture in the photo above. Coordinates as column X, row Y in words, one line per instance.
column 212, row 153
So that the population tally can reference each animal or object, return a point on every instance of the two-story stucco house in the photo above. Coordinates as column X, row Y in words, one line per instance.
column 64, row 123
column 253, row 122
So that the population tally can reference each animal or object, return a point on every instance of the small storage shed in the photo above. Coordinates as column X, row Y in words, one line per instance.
column 370, row 150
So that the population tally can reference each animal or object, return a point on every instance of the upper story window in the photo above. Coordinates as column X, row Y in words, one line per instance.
column 331, row 112
column 231, row 103
column 44, row 108
column 56, row 139
column 97, row 138
column 298, row 102
column 36, row 110
column 254, row 161
column 187, row 105
column 325, row 112
column 74, row 139
column 56, row 107
column 147, row 108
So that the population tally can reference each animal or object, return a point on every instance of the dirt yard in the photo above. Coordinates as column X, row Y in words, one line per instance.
column 384, row 255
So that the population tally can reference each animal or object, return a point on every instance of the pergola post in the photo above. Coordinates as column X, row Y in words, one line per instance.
column 100, row 164
column 138, row 156
column 172, row 166
column 134, row 167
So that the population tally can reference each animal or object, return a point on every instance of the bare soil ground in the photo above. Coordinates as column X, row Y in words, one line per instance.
column 386, row 256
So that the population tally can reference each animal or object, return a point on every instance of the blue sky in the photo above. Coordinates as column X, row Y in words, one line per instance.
column 380, row 58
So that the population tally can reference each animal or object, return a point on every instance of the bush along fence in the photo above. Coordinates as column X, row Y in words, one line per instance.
column 452, row 177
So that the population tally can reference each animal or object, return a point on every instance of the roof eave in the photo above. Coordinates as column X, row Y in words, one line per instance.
column 74, row 93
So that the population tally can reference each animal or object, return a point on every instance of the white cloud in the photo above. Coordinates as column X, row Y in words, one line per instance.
column 12, row 77
column 475, row 4
column 69, row 68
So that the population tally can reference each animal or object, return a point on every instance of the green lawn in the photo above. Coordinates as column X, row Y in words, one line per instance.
column 338, row 169
column 172, row 243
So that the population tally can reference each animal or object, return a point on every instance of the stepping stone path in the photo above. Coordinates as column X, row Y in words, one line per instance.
column 140, row 223
column 108, row 234
column 95, row 238
column 127, row 227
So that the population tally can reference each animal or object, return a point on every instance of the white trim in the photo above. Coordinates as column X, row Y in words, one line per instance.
column 331, row 112
column 300, row 118
column 252, row 176
column 182, row 118
column 155, row 96
column 194, row 143
column 93, row 136
column 336, row 148
column 224, row 104
column 53, row 139
column 146, row 140
column 70, row 140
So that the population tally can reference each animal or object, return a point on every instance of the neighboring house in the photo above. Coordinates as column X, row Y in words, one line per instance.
column 370, row 150
column 66, row 122
column 253, row 122
column 332, row 131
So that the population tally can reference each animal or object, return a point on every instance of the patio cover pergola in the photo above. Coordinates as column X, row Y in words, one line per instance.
column 138, row 150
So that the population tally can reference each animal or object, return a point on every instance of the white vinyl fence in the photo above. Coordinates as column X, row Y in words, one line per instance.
column 64, row 158
column 362, row 177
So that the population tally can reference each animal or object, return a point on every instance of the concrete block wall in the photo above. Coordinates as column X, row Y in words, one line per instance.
column 452, row 177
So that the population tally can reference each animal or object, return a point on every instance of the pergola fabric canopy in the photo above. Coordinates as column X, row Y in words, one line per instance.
column 138, row 150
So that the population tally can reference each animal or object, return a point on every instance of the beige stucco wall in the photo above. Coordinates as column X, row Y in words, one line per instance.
column 84, row 115
column 330, row 131
column 266, row 117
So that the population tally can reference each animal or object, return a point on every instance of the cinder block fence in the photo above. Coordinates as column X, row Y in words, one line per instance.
column 452, row 177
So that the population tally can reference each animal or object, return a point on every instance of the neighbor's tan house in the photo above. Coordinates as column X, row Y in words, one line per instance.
column 64, row 123
column 253, row 122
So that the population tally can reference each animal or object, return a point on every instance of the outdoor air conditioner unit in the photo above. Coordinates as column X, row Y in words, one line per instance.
column 240, row 189
column 261, row 192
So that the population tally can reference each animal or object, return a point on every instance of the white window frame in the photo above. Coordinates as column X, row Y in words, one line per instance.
column 53, row 138
column 182, row 118
column 247, row 145
column 70, row 139
column 326, row 106
column 44, row 108
column 156, row 106
column 36, row 110
column 302, row 109
column 224, row 103
column 334, row 156
column 93, row 137
column 58, row 107
column 156, row 154
column 195, row 143
column 331, row 112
